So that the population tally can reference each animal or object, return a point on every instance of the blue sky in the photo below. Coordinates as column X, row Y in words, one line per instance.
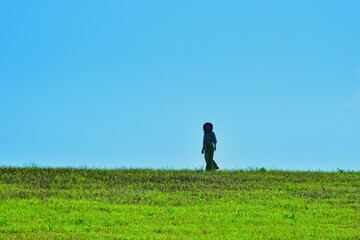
column 111, row 84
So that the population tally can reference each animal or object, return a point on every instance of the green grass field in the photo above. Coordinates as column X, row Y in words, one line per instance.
column 67, row 203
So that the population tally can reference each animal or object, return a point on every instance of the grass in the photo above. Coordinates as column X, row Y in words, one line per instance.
column 68, row 203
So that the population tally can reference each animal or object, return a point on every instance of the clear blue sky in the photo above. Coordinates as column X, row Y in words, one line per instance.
column 130, row 83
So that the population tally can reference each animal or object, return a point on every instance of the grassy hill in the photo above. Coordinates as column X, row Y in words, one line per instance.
column 67, row 203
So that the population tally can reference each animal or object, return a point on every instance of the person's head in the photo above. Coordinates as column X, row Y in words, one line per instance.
column 208, row 127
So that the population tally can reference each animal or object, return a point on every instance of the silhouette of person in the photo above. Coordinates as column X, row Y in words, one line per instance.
column 209, row 146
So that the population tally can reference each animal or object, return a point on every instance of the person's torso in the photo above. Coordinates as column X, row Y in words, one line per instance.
column 208, row 137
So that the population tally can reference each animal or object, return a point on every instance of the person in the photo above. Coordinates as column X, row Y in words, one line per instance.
column 209, row 146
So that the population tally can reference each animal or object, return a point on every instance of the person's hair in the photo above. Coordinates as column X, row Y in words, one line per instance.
column 207, row 124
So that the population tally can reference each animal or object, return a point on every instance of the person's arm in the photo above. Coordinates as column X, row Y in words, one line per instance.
column 214, row 141
column 203, row 148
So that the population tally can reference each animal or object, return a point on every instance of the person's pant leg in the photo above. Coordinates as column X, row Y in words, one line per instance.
column 209, row 154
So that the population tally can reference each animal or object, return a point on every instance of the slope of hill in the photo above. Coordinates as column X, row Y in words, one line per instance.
column 67, row 203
